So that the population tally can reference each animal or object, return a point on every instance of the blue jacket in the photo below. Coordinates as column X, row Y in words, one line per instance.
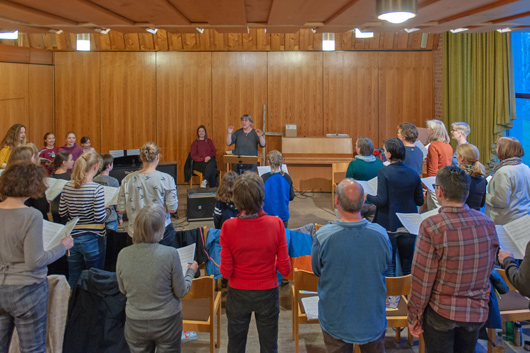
column 213, row 248
column 278, row 192
column 399, row 190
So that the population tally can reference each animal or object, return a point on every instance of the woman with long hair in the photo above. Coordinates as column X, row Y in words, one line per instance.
column 467, row 156
column 15, row 136
column 203, row 152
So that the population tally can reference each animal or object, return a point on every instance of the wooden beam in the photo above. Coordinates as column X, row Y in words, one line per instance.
column 16, row 54
column 340, row 11
column 33, row 11
column 476, row 10
column 509, row 18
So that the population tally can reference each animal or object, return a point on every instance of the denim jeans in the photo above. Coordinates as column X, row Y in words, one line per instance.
column 335, row 345
column 402, row 244
column 169, row 236
column 25, row 307
column 239, row 307
column 442, row 335
column 88, row 251
column 209, row 169
column 112, row 225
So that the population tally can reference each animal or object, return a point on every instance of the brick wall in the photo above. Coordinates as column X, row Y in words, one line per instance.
column 438, row 89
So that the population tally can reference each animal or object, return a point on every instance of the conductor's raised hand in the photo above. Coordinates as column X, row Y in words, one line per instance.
column 68, row 242
column 259, row 132
column 230, row 129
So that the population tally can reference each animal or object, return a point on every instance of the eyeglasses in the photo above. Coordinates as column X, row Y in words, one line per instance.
column 434, row 186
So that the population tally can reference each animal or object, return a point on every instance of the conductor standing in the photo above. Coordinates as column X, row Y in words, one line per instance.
column 246, row 140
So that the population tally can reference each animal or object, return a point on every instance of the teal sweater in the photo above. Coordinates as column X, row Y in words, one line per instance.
column 361, row 170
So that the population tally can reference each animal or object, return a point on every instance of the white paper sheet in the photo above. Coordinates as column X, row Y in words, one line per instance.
column 370, row 186
column 134, row 152
column 186, row 254
column 386, row 164
column 310, row 305
column 53, row 233
column 412, row 221
column 428, row 182
column 55, row 189
column 519, row 232
column 117, row 153
column 111, row 195
column 422, row 148
column 488, row 178
column 506, row 243
column 267, row 168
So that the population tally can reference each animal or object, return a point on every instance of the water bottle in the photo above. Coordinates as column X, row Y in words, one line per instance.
column 517, row 334
column 499, row 343
column 509, row 331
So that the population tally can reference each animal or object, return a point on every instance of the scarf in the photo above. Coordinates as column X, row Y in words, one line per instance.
column 507, row 161
column 367, row 159
column 468, row 168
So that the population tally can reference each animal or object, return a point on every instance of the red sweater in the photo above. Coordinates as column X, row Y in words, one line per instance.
column 439, row 156
column 252, row 250
column 201, row 149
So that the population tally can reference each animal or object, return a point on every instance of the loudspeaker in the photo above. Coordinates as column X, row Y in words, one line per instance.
column 201, row 203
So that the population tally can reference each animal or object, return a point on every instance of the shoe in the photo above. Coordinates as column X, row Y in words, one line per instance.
column 204, row 183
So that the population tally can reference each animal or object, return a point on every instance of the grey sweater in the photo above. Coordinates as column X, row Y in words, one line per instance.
column 22, row 257
column 519, row 276
column 150, row 275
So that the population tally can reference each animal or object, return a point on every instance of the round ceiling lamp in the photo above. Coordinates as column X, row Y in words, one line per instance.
column 396, row 11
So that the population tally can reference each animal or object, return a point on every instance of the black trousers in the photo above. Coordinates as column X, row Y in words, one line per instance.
column 208, row 169
column 239, row 307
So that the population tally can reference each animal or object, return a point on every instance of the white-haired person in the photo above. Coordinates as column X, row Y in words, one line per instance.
column 459, row 132
column 278, row 188
column 439, row 155
column 151, row 277
column 246, row 140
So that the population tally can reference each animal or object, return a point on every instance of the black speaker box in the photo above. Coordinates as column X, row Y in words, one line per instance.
column 201, row 203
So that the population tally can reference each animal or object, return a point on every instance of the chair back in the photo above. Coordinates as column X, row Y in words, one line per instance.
column 305, row 280
column 398, row 285
column 338, row 172
column 202, row 287
column 503, row 275
column 317, row 226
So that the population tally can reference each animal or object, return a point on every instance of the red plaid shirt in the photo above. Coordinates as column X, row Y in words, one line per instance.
column 454, row 256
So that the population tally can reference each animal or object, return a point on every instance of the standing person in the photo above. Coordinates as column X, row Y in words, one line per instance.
column 399, row 190
column 439, row 155
column 15, row 136
column 23, row 260
column 150, row 275
column 455, row 254
column 253, row 247
column 224, row 206
column 49, row 151
column 85, row 144
column 360, row 290
column 508, row 196
column 459, row 132
column 278, row 188
column 62, row 163
column 203, row 153
column 147, row 186
column 83, row 198
column 114, row 219
column 365, row 165
column 408, row 134
column 246, row 140
column 467, row 156
column 72, row 147
column 519, row 276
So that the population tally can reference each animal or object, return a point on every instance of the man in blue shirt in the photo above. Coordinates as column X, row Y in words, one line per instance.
column 350, row 257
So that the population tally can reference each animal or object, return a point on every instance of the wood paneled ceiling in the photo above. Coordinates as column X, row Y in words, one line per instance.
column 237, row 16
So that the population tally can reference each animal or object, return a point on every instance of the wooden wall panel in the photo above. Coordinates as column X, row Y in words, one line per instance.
column 351, row 94
column 13, row 96
column 77, row 105
column 239, row 86
column 13, row 111
column 295, row 94
column 184, row 101
column 405, row 90
column 40, row 94
column 128, row 100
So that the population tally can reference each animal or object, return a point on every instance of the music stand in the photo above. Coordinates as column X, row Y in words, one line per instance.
column 233, row 159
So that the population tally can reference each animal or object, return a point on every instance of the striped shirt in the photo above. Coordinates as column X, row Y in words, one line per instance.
column 87, row 203
column 454, row 256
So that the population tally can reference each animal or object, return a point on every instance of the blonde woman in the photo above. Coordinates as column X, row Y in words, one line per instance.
column 84, row 198
column 224, row 206
column 439, row 151
column 467, row 156
column 147, row 186
column 278, row 188
column 15, row 136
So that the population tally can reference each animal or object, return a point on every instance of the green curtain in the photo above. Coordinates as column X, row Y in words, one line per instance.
column 478, row 87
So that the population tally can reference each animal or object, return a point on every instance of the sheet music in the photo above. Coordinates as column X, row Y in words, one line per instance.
column 386, row 164
column 428, row 182
column 111, row 195
column 117, row 153
column 54, row 190
column 53, row 233
column 422, row 148
column 519, row 232
column 412, row 221
column 506, row 243
column 310, row 305
column 488, row 178
column 267, row 168
column 186, row 254
column 370, row 186
column 134, row 152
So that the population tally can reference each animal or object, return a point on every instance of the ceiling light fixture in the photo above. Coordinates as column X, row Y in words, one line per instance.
column 9, row 35
column 56, row 31
column 396, row 11
column 359, row 34
column 458, row 30
column 102, row 30
column 328, row 41
column 504, row 30
column 410, row 30
column 152, row 30
column 314, row 30
column 200, row 30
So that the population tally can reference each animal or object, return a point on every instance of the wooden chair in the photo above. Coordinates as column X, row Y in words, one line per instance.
column 195, row 173
column 318, row 226
column 512, row 306
column 337, row 168
column 303, row 280
column 199, row 308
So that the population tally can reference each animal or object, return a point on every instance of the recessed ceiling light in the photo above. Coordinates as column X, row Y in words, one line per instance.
column 458, row 30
